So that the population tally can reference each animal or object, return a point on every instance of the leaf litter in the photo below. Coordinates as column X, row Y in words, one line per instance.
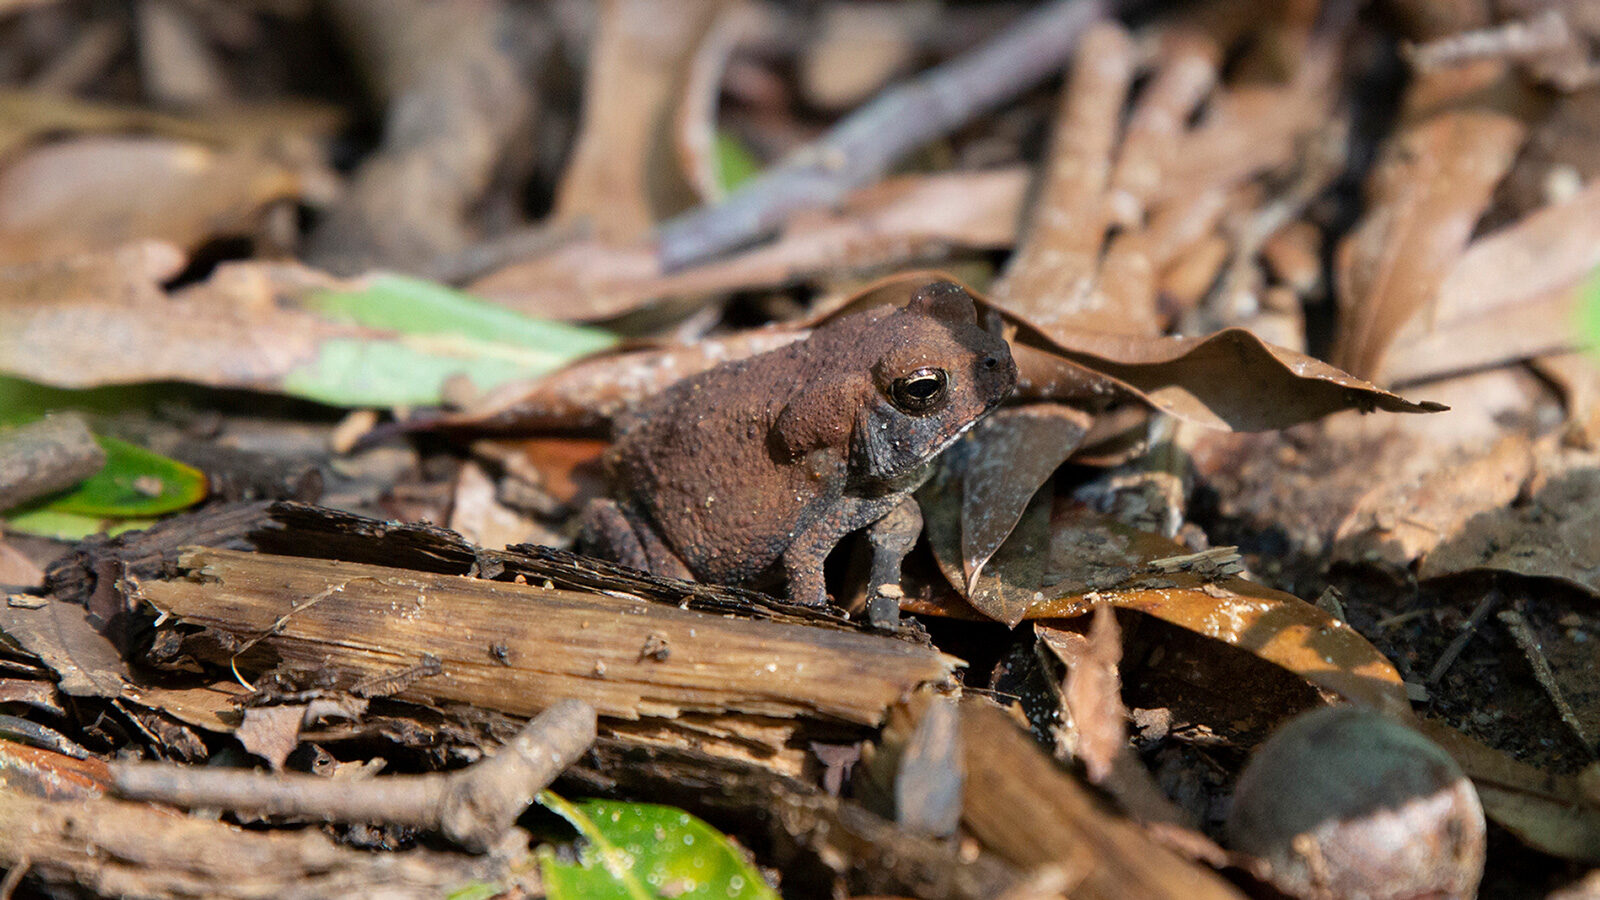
column 1173, row 240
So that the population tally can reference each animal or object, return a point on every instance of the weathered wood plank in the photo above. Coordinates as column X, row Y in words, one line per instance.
column 519, row 648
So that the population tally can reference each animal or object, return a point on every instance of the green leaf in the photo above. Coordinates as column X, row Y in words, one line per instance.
column 1589, row 313
column 130, row 490
column 23, row 401
column 735, row 163
column 643, row 851
column 475, row 890
column 134, row 483
column 439, row 333
column 63, row 526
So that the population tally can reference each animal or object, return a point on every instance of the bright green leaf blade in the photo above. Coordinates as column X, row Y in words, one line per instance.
column 414, row 306
column 476, row 890
column 641, row 851
column 1589, row 313
column 441, row 333
column 64, row 526
column 23, row 401
column 134, row 483
column 735, row 163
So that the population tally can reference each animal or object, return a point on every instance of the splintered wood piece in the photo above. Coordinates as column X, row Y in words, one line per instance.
column 1022, row 806
column 518, row 649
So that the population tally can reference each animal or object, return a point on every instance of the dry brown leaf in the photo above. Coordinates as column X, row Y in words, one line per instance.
column 213, row 707
column 59, row 633
column 1021, row 559
column 1251, row 129
column 271, row 732
column 624, row 176
column 1089, row 559
column 92, row 194
column 1004, row 462
column 1094, row 723
column 1434, row 181
column 899, row 222
column 1545, row 810
column 1186, row 74
column 1555, row 534
column 1277, row 627
column 1051, row 279
column 1230, row 379
column 1512, row 294
column 105, row 319
column 1381, row 489
column 1093, row 694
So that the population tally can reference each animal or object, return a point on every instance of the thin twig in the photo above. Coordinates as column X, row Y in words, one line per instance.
column 1528, row 642
column 862, row 147
column 14, row 878
column 472, row 807
column 1517, row 39
column 1474, row 621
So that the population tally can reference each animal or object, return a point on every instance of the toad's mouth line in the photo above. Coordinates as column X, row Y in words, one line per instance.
column 923, row 462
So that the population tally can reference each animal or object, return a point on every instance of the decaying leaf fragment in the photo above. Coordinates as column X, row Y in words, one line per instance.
column 1511, row 294
column 1555, row 535
column 1382, row 489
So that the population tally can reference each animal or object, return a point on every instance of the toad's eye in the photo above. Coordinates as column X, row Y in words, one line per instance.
column 921, row 391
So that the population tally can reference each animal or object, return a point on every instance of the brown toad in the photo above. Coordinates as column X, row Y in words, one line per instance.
column 755, row 469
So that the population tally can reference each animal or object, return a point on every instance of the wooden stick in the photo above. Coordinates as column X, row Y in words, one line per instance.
column 45, row 456
column 866, row 143
column 472, row 807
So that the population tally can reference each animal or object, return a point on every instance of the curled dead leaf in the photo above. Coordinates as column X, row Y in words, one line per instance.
column 1086, row 559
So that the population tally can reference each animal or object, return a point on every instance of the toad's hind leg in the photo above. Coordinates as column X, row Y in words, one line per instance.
column 607, row 532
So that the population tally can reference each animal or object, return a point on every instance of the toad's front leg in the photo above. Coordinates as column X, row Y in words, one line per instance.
column 802, row 561
column 891, row 538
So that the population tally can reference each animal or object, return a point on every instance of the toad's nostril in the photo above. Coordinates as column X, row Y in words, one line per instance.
column 989, row 362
